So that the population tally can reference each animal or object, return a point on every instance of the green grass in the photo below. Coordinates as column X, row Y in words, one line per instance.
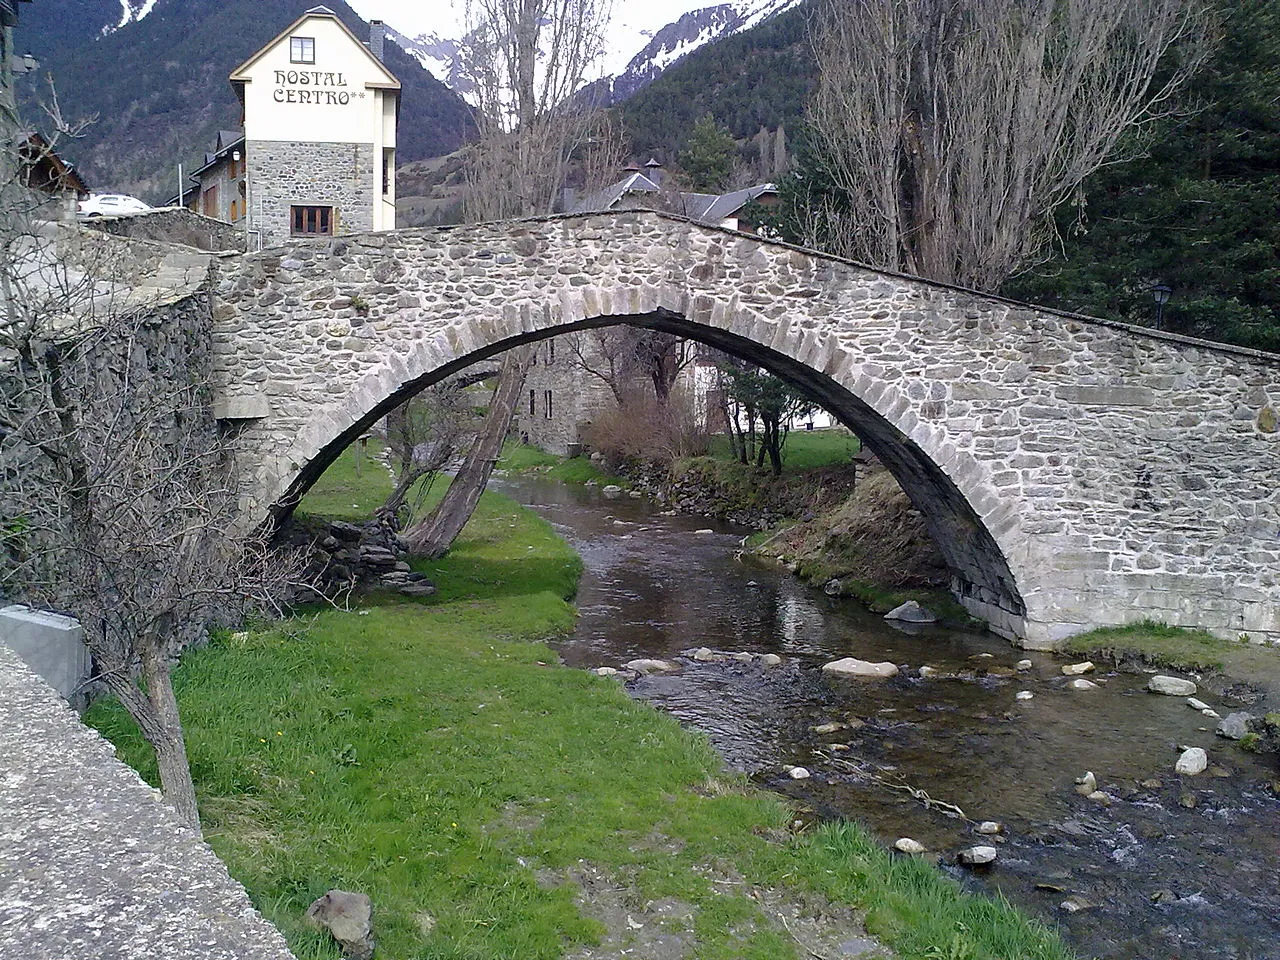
column 1156, row 643
column 804, row 449
column 354, row 486
column 525, row 458
column 434, row 756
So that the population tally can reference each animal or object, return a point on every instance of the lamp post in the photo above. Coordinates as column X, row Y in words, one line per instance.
column 1160, row 292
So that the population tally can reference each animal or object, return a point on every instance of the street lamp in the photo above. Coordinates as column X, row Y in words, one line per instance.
column 1160, row 292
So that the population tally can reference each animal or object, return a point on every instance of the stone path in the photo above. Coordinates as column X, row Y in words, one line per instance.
column 92, row 865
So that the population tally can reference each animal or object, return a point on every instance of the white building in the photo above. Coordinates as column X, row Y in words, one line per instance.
column 317, row 153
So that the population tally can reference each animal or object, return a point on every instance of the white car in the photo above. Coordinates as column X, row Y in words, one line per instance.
column 105, row 204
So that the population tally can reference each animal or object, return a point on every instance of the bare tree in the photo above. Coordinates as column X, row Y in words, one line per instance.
column 118, row 493
column 435, row 534
column 529, row 58
column 952, row 129
column 622, row 355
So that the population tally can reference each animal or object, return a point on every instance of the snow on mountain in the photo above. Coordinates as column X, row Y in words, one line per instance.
column 636, row 53
column 131, row 11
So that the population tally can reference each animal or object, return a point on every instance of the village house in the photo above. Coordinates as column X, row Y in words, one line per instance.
column 317, row 154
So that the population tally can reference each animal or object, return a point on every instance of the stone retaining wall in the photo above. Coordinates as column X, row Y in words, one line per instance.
column 92, row 864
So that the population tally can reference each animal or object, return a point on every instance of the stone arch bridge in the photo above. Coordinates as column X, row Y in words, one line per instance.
column 1074, row 472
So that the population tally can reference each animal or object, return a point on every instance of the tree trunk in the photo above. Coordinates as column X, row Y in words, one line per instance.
column 171, row 750
column 434, row 536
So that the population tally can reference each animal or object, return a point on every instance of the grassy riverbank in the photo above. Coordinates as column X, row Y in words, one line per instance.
column 435, row 756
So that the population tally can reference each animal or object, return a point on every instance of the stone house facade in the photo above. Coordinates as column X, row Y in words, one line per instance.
column 317, row 153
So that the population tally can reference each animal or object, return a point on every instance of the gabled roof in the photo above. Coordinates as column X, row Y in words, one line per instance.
column 727, row 204
column 704, row 207
column 238, row 75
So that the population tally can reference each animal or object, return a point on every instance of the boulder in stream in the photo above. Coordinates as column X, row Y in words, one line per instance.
column 907, row 845
column 853, row 667
column 912, row 612
column 1171, row 686
column 611, row 492
column 977, row 856
column 1192, row 762
column 771, row 660
column 1234, row 725
column 1075, row 669
column 646, row 666
column 1080, row 683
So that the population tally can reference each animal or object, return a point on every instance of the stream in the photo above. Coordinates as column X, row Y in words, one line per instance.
column 1171, row 867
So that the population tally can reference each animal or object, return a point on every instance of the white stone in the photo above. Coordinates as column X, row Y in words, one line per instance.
column 704, row 530
column 606, row 671
column 1192, row 762
column 1171, row 686
column 1195, row 704
column 911, row 612
column 853, row 667
column 907, row 845
column 824, row 728
column 989, row 827
column 1081, row 684
column 646, row 666
column 927, row 671
column 1024, row 665
column 743, row 657
column 1024, row 695
column 1087, row 784
column 977, row 856
column 798, row 773
column 771, row 660
column 1075, row 669
column 704, row 655
column 611, row 492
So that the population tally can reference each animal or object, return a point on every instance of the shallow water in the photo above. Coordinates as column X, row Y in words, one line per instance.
column 1163, row 879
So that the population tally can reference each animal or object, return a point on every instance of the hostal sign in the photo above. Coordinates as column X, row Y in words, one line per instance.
column 312, row 86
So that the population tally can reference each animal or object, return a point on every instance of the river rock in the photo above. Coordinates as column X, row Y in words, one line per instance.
column 1192, row 762
column 611, row 492
column 977, row 856
column 771, row 660
column 704, row 531
column 824, row 728
column 1075, row 669
column 1195, row 704
column 1171, row 686
column 832, row 588
column 742, row 656
column 853, row 667
column 606, row 671
column 927, row 671
column 1099, row 796
column 907, row 845
column 911, row 612
column 647, row 666
column 1024, row 695
column 1024, row 665
column 1087, row 784
column 989, row 827
column 1234, row 725
column 349, row 918
column 704, row 655
column 1074, row 904
column 1080, row 683
column 798, row 773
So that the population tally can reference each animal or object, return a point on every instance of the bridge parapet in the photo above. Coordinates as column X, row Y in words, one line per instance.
column 1074, row 472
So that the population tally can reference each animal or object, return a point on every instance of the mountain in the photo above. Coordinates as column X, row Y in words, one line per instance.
column 446, row 57
column 154, row 74
column 758, row 77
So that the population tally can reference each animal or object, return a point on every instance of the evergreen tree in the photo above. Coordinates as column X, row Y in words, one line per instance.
column 1199, row 214
column 707, row 158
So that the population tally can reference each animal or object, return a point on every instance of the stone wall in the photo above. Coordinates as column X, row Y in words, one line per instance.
column 94, row 864
column 341, row 175
column 172, row 225
column 1074, row 472
column 576, row 397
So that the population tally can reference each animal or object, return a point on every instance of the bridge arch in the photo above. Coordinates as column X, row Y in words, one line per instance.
column 1026, row 438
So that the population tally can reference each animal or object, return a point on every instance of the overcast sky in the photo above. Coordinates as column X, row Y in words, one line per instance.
column 443, row 17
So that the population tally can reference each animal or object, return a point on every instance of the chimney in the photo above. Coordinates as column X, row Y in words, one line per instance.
column 377, row 34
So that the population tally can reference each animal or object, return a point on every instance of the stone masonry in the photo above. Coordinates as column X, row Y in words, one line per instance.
column 92, row 863
column 341, row 175
column 1074, row 472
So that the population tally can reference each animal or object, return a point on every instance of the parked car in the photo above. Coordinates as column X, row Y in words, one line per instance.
column 101, row 204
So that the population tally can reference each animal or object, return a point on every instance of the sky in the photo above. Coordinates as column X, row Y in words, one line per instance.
column 443, row 17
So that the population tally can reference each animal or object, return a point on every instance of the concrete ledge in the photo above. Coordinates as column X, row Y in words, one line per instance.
column 92, row 864
column 51, row 644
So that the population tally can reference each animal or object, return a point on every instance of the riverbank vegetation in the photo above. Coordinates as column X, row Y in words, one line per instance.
column 494, row 804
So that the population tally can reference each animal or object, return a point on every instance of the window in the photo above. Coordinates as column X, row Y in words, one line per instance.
column 302, row 49
column 533, row 403
column 546, row 404
column 551, row 352
column 311, row 221
column 388, row 170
